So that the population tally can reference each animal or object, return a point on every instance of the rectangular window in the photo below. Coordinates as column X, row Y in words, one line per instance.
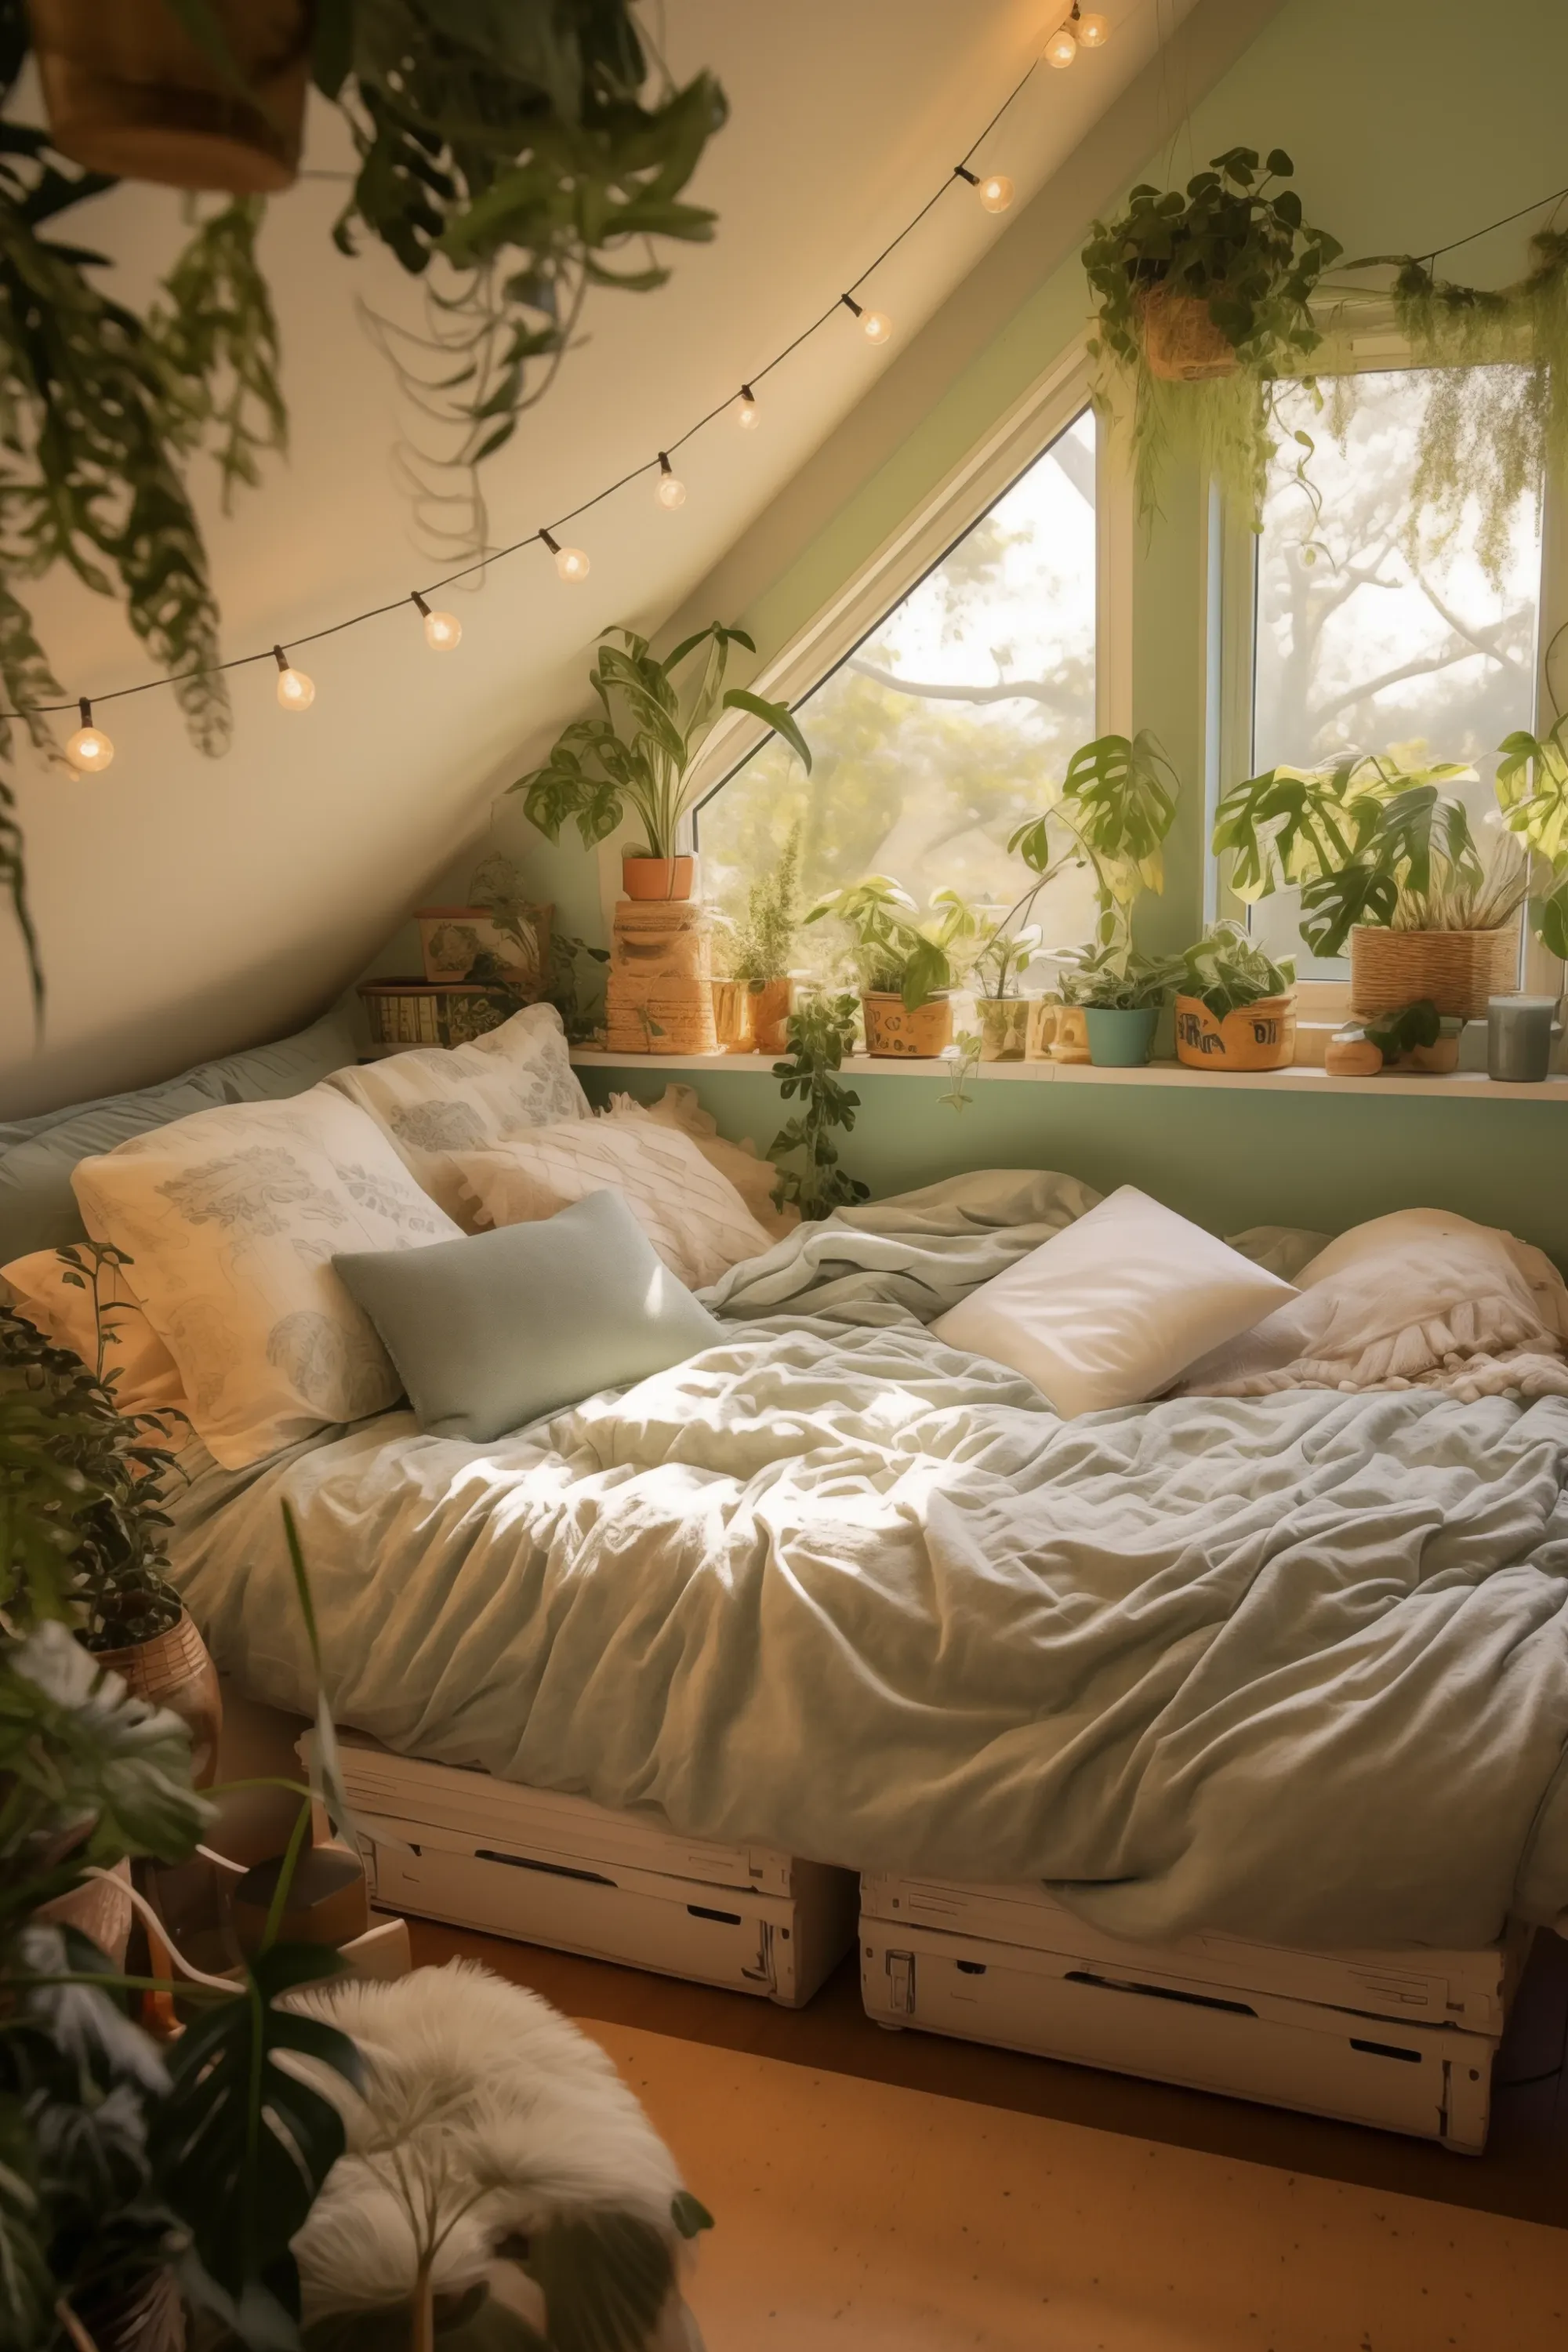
column 937, row 737
column 1365, row 643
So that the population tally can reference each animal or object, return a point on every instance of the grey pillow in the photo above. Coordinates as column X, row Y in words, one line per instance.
column 489, row 1332
column 38, row 1207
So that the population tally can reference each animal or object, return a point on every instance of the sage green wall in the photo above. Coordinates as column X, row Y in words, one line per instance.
column 1411, row 122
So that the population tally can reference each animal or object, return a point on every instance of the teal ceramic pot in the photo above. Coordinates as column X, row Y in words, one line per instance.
column 1120, row 1041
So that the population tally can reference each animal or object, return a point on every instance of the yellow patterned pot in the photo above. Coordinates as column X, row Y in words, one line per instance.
column 1261, row 1036
column 894, row 1032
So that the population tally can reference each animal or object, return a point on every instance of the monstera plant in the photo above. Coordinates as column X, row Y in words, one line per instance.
column 517, row 152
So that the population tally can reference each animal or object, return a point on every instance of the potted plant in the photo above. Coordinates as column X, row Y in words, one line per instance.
column 1388, row 866
column 997, row 965
column 763, row 946
column 1202, row 300
column 1236, row 1007
column 902, row 964
column 636, row 751
column 821, row 1032
column 1121, row 993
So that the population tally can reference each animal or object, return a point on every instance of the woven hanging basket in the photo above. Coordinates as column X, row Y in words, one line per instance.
column 129, row 91
column 1458, row 970
column 175, row 1670
column 1181, row 342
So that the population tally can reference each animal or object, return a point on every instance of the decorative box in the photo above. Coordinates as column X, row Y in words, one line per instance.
column 453, row 939
column 413, row 1013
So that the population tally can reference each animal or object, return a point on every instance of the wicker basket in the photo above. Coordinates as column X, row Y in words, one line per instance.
column 1458, row 970
column 1181, row 342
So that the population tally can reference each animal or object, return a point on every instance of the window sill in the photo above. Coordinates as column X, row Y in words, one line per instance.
column 1461, row 1086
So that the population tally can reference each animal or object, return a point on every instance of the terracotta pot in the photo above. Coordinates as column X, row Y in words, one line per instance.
column 658, row 877
column 733, row 1015
column 1458, row 970
column 145, row 2317
column 1261, row 1036
column 129, row 91
column 772, row 1004
column 1070, row 1039
column 896, row 1033
column 1181, row 342
column 175, row 1670
column 1003, row 1027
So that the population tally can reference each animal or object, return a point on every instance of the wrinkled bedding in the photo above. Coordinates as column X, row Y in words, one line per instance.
column 1293, row 1665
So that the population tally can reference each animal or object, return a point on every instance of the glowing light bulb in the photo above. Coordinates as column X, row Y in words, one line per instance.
column 294, row 690
column 996, row 192
column 876, row 326
column 570, row 562
column 1093, row 32
column 746, row 413
column 89, row 750
column 442, row 630
column 670, row 491
column 1061, row 48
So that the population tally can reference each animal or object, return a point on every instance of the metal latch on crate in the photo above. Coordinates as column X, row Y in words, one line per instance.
column 902, row 1979
column 762, row 1973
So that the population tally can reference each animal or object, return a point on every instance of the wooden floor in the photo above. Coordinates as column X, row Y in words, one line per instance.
column 1523, row 2174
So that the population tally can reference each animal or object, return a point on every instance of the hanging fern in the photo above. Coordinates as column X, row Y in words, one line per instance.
column 1236, row 247
column 1495, row 423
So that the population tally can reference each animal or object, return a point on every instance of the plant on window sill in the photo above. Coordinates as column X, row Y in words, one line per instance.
column 1202, row 301
column 1225, row 972
column 1110, row 814
column 896, row 951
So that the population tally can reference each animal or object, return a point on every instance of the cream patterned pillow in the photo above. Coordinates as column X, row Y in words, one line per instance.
column 41, row 1290
column 691, row 1212
column 232, row 1218
column 443, row 1100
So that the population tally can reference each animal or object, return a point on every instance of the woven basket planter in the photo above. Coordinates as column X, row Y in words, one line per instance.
column 175, row 1670
column 1458, row 970
column 1181, row 342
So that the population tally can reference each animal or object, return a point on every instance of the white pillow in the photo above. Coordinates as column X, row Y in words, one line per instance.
column 1109, row 1311
column 442, row 1100
column 691, row 1212
column 1421, row 1298
column 43, row 1293
column 232, row 1218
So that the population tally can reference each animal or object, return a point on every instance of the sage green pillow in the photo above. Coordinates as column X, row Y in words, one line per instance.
column 489, row 1332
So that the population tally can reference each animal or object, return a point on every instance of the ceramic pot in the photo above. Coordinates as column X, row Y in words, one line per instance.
column 1181, row 342
column 1261, row 1036
column 1069, row 1036
column 175, row 1670
column 1003, row 1027
column 658, row 877
column 129, row 91
column 895, row 1033
column 733, row 1015
column 1458, row 970
column 772, row 1004
column 1118, row 1040
column 147, row 2316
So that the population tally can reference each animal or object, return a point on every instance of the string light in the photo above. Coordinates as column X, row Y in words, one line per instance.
column 994, row 191
column 1062, row 47
column 442, row 630
column 1093, row 32
column 294, row 690
column 670, row 491
column 570, row 562
column 747, row 415
column 89, row 749
column 875, row 325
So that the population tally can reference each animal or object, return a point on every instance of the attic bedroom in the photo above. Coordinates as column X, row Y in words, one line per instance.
column 783, row 1357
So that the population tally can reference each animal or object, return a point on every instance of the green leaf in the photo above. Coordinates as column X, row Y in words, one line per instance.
column 26, row 2288
column 775, row 715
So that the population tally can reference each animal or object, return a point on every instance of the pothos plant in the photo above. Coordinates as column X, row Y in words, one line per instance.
column 1202, row 300
column 525, row 147
column 898, row 951
column 821, row 1031
column 1227, row 969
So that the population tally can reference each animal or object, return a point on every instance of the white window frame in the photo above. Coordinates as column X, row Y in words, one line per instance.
column 958, row 502
column 1231, row 569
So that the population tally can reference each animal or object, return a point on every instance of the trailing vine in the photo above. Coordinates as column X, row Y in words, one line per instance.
column 820, row 1032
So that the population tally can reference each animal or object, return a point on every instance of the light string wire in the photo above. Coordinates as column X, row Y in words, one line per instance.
column 538, row 538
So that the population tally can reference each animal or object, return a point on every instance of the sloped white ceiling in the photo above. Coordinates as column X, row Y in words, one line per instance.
column 187, row 906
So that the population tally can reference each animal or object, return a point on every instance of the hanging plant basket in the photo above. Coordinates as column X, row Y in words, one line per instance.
column 129, row 91
column 1181, row 342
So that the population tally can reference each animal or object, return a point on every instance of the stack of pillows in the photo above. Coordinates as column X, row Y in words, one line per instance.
column 297, row 1264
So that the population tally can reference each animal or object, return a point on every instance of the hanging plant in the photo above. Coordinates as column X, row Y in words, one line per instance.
column 1494, row 427
column 1202, row 301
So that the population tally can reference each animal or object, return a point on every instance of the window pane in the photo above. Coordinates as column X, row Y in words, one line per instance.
column 934, row 741
column 1363, row 651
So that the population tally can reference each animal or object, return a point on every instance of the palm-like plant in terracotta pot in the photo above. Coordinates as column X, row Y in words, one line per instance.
column 634, row 754
column 902, row 962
